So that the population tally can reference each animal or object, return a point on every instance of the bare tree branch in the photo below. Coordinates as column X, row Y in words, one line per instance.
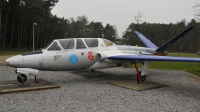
column 138, row 17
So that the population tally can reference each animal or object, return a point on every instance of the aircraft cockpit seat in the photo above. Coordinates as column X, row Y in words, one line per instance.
column 80, row 44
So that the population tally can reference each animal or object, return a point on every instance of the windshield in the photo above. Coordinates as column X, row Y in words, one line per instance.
column 54, row 46
column 67, row 43
column 108, row 43
column 91, row 42
column 48, row 44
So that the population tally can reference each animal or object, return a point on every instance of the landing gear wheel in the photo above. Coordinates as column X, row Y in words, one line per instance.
column 92, row 71
column 22, row 79
column 142, row 77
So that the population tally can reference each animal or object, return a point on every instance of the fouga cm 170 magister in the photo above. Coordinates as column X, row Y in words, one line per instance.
column 92, row 53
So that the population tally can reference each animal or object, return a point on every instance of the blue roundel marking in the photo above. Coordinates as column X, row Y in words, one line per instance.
column 73, row 59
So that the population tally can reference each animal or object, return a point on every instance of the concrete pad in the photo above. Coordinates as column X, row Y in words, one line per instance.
column 14, row 86
column 131, row 84
column 86, row 74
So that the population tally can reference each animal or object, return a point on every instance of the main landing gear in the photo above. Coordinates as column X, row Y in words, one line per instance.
column 92, row 71
column 139, row 77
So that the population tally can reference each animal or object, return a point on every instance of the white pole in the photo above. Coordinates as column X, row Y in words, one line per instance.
column 34, row 36
column 65, row 35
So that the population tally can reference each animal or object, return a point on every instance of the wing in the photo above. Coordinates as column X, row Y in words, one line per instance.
column 152, row 58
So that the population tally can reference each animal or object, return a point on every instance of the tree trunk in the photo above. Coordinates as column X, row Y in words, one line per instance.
column 41, row 46
column 37, row 42
column 190, row 46
column 180, row 47
column 37, row 36
column 198, row 38
column 4, row 39
column 26, row 36
column 21, row 32
column 31, row 41
column 13, row 29
column 0, row 24
column 23, row 35
column 0, row 16
column 18, row 35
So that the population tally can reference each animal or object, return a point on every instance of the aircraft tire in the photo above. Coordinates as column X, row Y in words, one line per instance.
column 143, row 78
column 92, row 71
column 22, row 80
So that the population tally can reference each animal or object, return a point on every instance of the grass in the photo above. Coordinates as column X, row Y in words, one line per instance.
column 13, row 52
column 191, row 67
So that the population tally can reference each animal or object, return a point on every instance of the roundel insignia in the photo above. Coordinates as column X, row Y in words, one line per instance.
column 90, row 56
column 73, row 59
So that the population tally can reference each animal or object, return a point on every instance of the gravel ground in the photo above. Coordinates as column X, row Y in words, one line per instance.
column 95, row 95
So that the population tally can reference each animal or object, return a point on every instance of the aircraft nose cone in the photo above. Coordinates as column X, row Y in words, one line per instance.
column 13, row 61
column 7, row 62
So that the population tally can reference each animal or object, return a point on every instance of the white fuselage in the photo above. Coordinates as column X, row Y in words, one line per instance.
column 75, row 58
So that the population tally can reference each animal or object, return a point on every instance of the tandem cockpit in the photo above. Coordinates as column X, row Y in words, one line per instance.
column 78, row 43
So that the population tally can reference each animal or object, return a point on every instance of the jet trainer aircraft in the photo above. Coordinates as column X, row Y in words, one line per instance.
column 90, row 54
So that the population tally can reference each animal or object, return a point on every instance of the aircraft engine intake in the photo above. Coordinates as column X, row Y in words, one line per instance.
column 101, row 57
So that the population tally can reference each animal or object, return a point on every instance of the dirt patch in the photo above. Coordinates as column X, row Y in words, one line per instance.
column 3, row 59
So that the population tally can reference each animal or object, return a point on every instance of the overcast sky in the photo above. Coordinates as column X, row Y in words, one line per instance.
column 120, row 12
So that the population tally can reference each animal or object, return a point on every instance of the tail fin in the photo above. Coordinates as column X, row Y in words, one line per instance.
column 170, row 42
column 146, row 41
column 162, row 48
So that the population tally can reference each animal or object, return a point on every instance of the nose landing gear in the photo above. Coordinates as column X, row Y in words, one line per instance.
column 21, row 78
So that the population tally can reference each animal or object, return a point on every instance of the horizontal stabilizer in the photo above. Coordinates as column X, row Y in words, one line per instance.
column 170, row 42
column 152, row 58
column 146, row 41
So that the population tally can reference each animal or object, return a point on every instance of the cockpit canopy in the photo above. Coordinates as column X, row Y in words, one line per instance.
column 79, row 43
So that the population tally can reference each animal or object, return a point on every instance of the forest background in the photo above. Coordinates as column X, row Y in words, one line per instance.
column 19, row 19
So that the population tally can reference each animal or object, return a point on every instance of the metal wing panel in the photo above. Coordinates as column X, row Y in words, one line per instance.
column 153, row 58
